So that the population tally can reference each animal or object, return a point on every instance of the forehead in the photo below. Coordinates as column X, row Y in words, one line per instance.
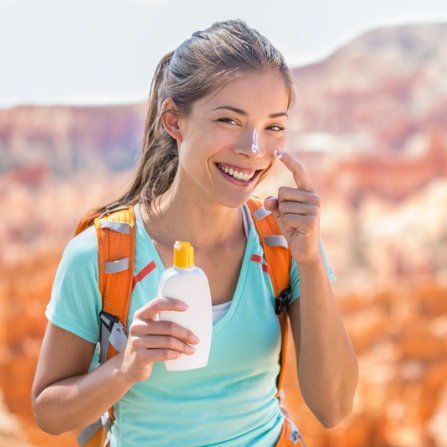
column 261, row 92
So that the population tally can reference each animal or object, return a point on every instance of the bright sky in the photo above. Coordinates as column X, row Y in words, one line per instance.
column 105, row 51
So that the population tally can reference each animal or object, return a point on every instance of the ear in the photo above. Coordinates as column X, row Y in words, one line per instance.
column 170, row 119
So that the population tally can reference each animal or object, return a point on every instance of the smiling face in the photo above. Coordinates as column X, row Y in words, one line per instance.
column 227, row 142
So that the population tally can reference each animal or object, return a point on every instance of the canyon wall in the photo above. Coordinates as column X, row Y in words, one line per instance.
column 369, row 126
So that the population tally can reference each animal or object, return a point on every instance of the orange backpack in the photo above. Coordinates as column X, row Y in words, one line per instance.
column 115, row 230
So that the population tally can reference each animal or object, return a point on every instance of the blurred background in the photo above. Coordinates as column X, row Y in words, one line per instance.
column 369, row 125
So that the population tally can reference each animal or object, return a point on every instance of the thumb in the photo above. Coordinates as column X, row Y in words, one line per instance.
column 271, row 204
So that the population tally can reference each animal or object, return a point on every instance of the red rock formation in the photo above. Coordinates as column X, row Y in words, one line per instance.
column 390, row 177
column 71, row 139
column 383, row 225
column 12, row 433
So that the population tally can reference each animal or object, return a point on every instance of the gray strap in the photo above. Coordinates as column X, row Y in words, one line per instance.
column 114, row 336
column 276, row 241
column 88, row 432
column 119, row 227
column 104, row 343
column 112, row 206
column 295, row 435
column 110, row 209
column 118, row 208
column 107, row 440
column 117, row 266
column 261, row 213
column 117, row 337
column 112, row 332
column 246, row 219
column 138, row 216
column 106, row 422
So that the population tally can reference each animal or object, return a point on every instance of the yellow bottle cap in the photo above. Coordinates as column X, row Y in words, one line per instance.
column 183, row 255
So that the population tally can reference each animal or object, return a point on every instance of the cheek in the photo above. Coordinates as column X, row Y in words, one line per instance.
column 225, row 138
column 208, row 142
column 271, row 144
column 266, row 173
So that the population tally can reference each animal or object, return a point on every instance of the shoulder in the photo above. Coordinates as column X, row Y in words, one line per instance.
column 83, row 248
column 75, row 298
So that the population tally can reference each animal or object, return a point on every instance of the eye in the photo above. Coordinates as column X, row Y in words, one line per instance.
column 276, row 128
column 228, row 121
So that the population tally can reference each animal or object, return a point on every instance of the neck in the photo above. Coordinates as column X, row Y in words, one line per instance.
column 180, row 215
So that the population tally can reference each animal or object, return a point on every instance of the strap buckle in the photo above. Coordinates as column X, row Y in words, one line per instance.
column 112, row 332
column 113, row 207
column 106, row 421
column 283, row 300
column 108, row 320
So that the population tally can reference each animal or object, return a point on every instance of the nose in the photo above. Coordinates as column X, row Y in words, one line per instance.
column 254, row 145
column 249, row 145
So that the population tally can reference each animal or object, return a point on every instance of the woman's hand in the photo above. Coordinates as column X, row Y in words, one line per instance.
column 151, row 340
column 297, row 211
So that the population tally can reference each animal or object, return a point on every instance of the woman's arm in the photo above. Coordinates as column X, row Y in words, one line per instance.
column 66, row 396
column 326, row 362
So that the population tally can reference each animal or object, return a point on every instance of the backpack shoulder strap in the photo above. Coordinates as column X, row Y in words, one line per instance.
column 278, row 257
column 115, row 231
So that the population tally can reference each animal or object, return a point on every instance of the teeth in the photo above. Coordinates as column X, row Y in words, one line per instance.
column 237, row 175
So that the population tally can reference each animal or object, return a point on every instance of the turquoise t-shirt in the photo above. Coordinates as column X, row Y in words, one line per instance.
column 231, row 402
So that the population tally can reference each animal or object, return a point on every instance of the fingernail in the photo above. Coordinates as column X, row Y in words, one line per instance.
column 279, row 153
column 196, row 339
column 270, row 197
column 190, row 349
column 184, row 305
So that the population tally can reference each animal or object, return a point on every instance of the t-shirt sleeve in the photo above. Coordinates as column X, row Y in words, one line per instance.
column 75, row 299
column 294, row 277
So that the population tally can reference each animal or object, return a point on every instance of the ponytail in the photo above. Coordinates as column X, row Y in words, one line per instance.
column 159, row 154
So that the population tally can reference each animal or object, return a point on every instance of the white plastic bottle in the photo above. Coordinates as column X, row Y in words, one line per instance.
column 188, row 283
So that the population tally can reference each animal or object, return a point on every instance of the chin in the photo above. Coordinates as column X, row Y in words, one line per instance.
column 234, row 201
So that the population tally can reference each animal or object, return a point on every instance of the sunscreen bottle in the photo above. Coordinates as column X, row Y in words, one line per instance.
column 188, row 283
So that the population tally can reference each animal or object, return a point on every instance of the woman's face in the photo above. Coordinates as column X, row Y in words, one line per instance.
column 227, row 143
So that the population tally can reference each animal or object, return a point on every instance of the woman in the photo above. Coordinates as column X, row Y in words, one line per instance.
column 217, row 117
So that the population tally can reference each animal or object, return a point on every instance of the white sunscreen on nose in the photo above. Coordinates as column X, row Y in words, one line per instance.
column 254, row 146
column 188, row 283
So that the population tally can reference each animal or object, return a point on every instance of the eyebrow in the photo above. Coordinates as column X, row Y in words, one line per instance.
column 243, row 113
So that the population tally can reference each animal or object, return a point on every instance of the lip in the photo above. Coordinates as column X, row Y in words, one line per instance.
column 246, row 170
column 240, row 169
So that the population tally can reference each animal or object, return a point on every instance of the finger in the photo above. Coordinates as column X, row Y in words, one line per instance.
column 157, row 355
column 271, row 204
column 288, row 194
column 303, row 209
column 155, row 306
column 157, row 327
column 164, row 342
column 303, row 222
column 299, row 175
